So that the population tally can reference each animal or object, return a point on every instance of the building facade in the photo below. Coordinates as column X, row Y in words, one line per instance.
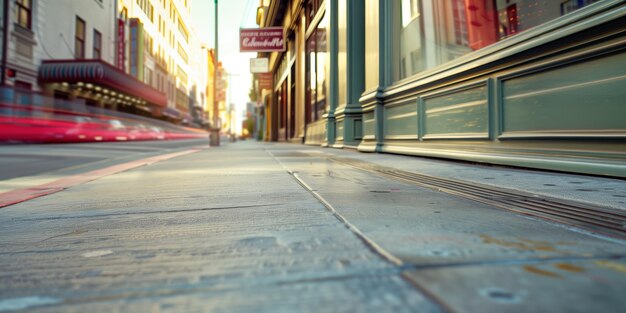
column 534, row 83
column 67, row 54
column 41, row 30
column 136, row 56
column 164, row 52
column 297, row 98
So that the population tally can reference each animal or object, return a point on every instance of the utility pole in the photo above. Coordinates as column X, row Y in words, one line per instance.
column 231, row 108
column 215, row 129
column 5, row 40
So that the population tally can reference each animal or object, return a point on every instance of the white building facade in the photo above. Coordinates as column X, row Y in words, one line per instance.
column 172, row 55
column 41, row 30
column 137, row 56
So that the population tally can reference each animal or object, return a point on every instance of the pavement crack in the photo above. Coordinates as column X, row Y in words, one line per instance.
column 178, row 290
column 612, row 257
column 393, row 271
column 74, row 232
column 146, row 212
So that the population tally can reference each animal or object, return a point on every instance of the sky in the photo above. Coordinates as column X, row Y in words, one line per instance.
column 233, row 15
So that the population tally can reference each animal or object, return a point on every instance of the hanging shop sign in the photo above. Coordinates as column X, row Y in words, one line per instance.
column 220, row 95
column 259, row 65
column 121, row 47
column 267, row 39
column 136, row 48
column 265, row 80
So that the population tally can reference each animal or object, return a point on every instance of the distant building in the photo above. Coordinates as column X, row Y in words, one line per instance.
column 164, row 52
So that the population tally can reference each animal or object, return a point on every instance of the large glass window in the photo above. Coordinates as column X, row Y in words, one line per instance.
column 432, row 32
column 316, row 64
column 321, row 50
column 23, row 13
column 342, row 57
column 311, row 81
column 79, row 40
column 372, row 57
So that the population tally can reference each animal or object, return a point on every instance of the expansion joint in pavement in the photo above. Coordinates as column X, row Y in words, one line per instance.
column 148, row 212
column 374, row 247
column 401, row 267
column 368, row 242
column 595, row 219
column 506, row 262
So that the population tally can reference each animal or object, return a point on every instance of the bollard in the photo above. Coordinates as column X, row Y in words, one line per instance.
column 214, row 137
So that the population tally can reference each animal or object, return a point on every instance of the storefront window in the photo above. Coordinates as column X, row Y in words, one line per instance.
column 372, row 44
column 432, row 32
column 322, row 58
column 342, row 58
column 311, row 81
column 317, row 57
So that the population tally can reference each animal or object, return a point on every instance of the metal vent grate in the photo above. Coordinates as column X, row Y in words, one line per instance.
column 592, row 218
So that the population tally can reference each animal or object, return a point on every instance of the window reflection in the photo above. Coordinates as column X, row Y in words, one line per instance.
column 321, row 50
column 311, row 80
column 316, row 49
column 433, row 32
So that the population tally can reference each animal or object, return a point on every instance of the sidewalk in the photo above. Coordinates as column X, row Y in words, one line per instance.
column 252, row 227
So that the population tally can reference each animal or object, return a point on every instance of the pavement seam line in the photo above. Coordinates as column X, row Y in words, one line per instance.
column 507, row 262
column 24, row 194
column 519, row 209
column 377, row 249
column 147, row 212
column 369, row 243
column 177, row 291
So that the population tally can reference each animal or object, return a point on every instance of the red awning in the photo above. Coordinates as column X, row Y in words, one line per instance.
column 99, row 73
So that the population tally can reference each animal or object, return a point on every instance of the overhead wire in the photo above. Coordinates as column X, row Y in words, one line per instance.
column 246, row 14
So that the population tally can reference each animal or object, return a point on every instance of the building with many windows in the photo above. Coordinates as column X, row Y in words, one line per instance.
column 296, row 99
column 535, row 83
column 67, row 53
column 164, row 52
column 135, row 56
column 41, row 30
column 19, row 66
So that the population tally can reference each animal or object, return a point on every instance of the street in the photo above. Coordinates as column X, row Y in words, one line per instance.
column 275, row 227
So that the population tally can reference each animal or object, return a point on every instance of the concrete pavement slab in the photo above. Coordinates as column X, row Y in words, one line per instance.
column 602, row 191
column 30, row 165
column 421, row 225
column 235, row 229
column 562, row 286
column 219, row 230
column 455, row 245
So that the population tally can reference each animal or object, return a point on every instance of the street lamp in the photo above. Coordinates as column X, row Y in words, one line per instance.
column 231, row 105
column 215, row 130
column 5, row 40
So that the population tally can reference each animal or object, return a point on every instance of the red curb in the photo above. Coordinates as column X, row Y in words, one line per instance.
column 24, row 194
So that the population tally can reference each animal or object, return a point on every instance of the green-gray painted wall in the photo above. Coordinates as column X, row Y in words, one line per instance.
column 552, row 97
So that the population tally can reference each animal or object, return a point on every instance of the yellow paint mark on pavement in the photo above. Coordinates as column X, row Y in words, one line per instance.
column 541, row 272
column 529, row 245
column 74, row 232
column 618, row 267
column 569, row 267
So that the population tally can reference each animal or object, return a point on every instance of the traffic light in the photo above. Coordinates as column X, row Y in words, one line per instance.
column 11, row 73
